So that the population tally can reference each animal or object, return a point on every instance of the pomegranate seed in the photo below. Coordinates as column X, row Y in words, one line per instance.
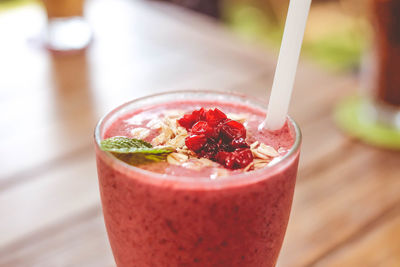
column 202, row 127
column 242, row 157
column 195, row 142
column 223, row 146
column 215, row 116
column 199, row 115
column 233, row 129
column 226, row 159
column 214, row 136
column 209, row 150
column 188, row 120
column 239, row 143
column 235, row 160
column 202, row 114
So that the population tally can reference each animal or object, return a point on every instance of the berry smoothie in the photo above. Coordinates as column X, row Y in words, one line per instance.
column 199, row 208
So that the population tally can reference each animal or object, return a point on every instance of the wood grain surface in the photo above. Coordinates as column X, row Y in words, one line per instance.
column 346, row 210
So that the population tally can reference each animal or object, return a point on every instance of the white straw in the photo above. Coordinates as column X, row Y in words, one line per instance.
column 287, row 64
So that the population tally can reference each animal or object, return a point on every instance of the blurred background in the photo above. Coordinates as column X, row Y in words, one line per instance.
column 337, row 31
column 65, row 63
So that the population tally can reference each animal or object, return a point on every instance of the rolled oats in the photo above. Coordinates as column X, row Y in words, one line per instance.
column 159, row 140
column 237, row 117
column 140, row 133
column 258, row 154
column 254, row 145
column 260, row 163
column 177, row 142
column 177, row 158
column 248, row 167
column 267, row 150
column 154, row 124
column 173, row 135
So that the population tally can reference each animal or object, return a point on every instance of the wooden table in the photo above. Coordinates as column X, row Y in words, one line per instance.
column 346, row 208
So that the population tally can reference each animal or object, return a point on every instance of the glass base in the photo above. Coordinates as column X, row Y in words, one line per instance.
column 383, row 114
column 67, row 34
column 359, row 119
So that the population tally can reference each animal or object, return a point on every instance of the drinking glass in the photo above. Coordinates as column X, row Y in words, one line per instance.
column 66, row 27
column 374, row 115
column 154, row 219
column 383, row 79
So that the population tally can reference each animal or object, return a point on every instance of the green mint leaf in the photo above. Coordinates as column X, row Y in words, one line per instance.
column 124, row 145
column 139, row 159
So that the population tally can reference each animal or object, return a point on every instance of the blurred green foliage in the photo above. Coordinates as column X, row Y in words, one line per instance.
column 8, row 4
column 339, row 50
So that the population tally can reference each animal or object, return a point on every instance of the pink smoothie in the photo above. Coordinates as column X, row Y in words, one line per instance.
column 167, row 215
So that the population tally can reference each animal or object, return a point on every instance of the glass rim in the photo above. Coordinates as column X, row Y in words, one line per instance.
column 238, row 178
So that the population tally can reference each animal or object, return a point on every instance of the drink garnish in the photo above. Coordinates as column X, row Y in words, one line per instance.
column 214, row 136
column 202, row 138
column 219, row 138
column 135, row 151
column 125, row 145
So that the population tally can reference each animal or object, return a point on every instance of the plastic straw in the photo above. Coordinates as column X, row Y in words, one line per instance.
column 288, row 59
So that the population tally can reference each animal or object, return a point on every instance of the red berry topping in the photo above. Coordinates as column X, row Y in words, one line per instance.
column 239, row 143
column 202, row 127
column 235, row 160
column 209, row 150
column 212, row 135
column 195, row 142
column 243, row 157
column 226, row 159
column 188, row 120
column 215, row 116
column 232, row 129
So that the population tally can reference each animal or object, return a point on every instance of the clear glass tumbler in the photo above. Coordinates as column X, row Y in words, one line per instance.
column 383, row 77
column 66, row 27
column 154, row 219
